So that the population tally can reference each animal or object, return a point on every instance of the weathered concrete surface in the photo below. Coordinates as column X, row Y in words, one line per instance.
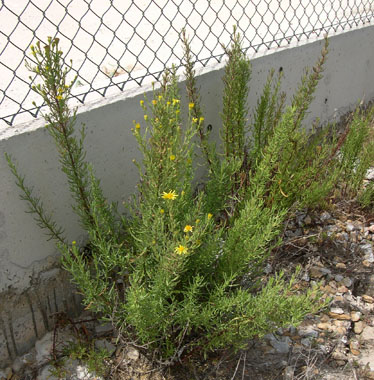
column 27, row 316
column 24, row 251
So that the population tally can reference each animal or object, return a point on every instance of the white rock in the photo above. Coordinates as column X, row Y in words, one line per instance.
column 347, row 282
column 337, row 310
column 132, row 353
column 368, row 252
column 368, row 333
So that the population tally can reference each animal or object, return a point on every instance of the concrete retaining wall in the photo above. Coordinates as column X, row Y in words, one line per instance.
column 31, row 284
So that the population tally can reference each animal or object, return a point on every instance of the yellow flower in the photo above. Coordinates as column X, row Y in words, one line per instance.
column 59, row 97
column 172, row 157
column 171, row 195
column 159, row 97
column 141, row 103
column 188, row 228
column 194, row 119
column 154, row 102
column 162, row 211
column 201, row 119
column 175, row 101
column 210, row 216
column 137, row 126
column 145, row 117
column 181, row 249
column 168, row 103
column 191, row 105
column 60, row 90
column 73, row 242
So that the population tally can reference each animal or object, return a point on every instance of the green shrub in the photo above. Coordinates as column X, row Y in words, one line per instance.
column 184, row 270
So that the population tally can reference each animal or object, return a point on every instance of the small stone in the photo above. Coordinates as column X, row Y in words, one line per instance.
column 371, row 228
column 281, row 345
column 347, row 282
column 341, row 331
column 368, row 333
column 325, row 216
column 338, row 277
column 358, row 327
column 342, row 289
column 316, row 272
column 132, row 353
column 337, row 310
column 337, row 355
column 306, row 277
column 367, row 298
column 368, row 252
column 349, row 227
column 328, row 289
column 340, row 363
column 354, row 347
column 366, row 263
column 340, row 266
column 324, row 326
column 306, row 342
column 307, row 220
column 308, row 332
column 355, row 316
column 342, row 317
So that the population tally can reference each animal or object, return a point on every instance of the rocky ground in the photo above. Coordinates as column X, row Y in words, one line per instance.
column 335, row 251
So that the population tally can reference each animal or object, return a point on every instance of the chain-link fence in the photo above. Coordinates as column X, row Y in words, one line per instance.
column 116, row 44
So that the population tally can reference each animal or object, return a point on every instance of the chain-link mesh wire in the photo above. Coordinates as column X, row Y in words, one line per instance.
column 115, row 44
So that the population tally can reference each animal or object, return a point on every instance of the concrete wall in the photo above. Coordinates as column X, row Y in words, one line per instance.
column 31, row 285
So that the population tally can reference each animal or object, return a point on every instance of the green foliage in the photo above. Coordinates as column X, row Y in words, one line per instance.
column 86, row 354
column 183, row 270
column 357, row 153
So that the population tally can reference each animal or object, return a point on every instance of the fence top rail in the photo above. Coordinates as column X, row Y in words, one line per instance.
column 115, row 44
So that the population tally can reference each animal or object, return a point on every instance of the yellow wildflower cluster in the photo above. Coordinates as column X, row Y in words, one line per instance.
column 171, row 195
column 188, row 228
column 181, row 250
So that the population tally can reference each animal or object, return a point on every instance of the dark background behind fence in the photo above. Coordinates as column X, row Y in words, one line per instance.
column 116, row 44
